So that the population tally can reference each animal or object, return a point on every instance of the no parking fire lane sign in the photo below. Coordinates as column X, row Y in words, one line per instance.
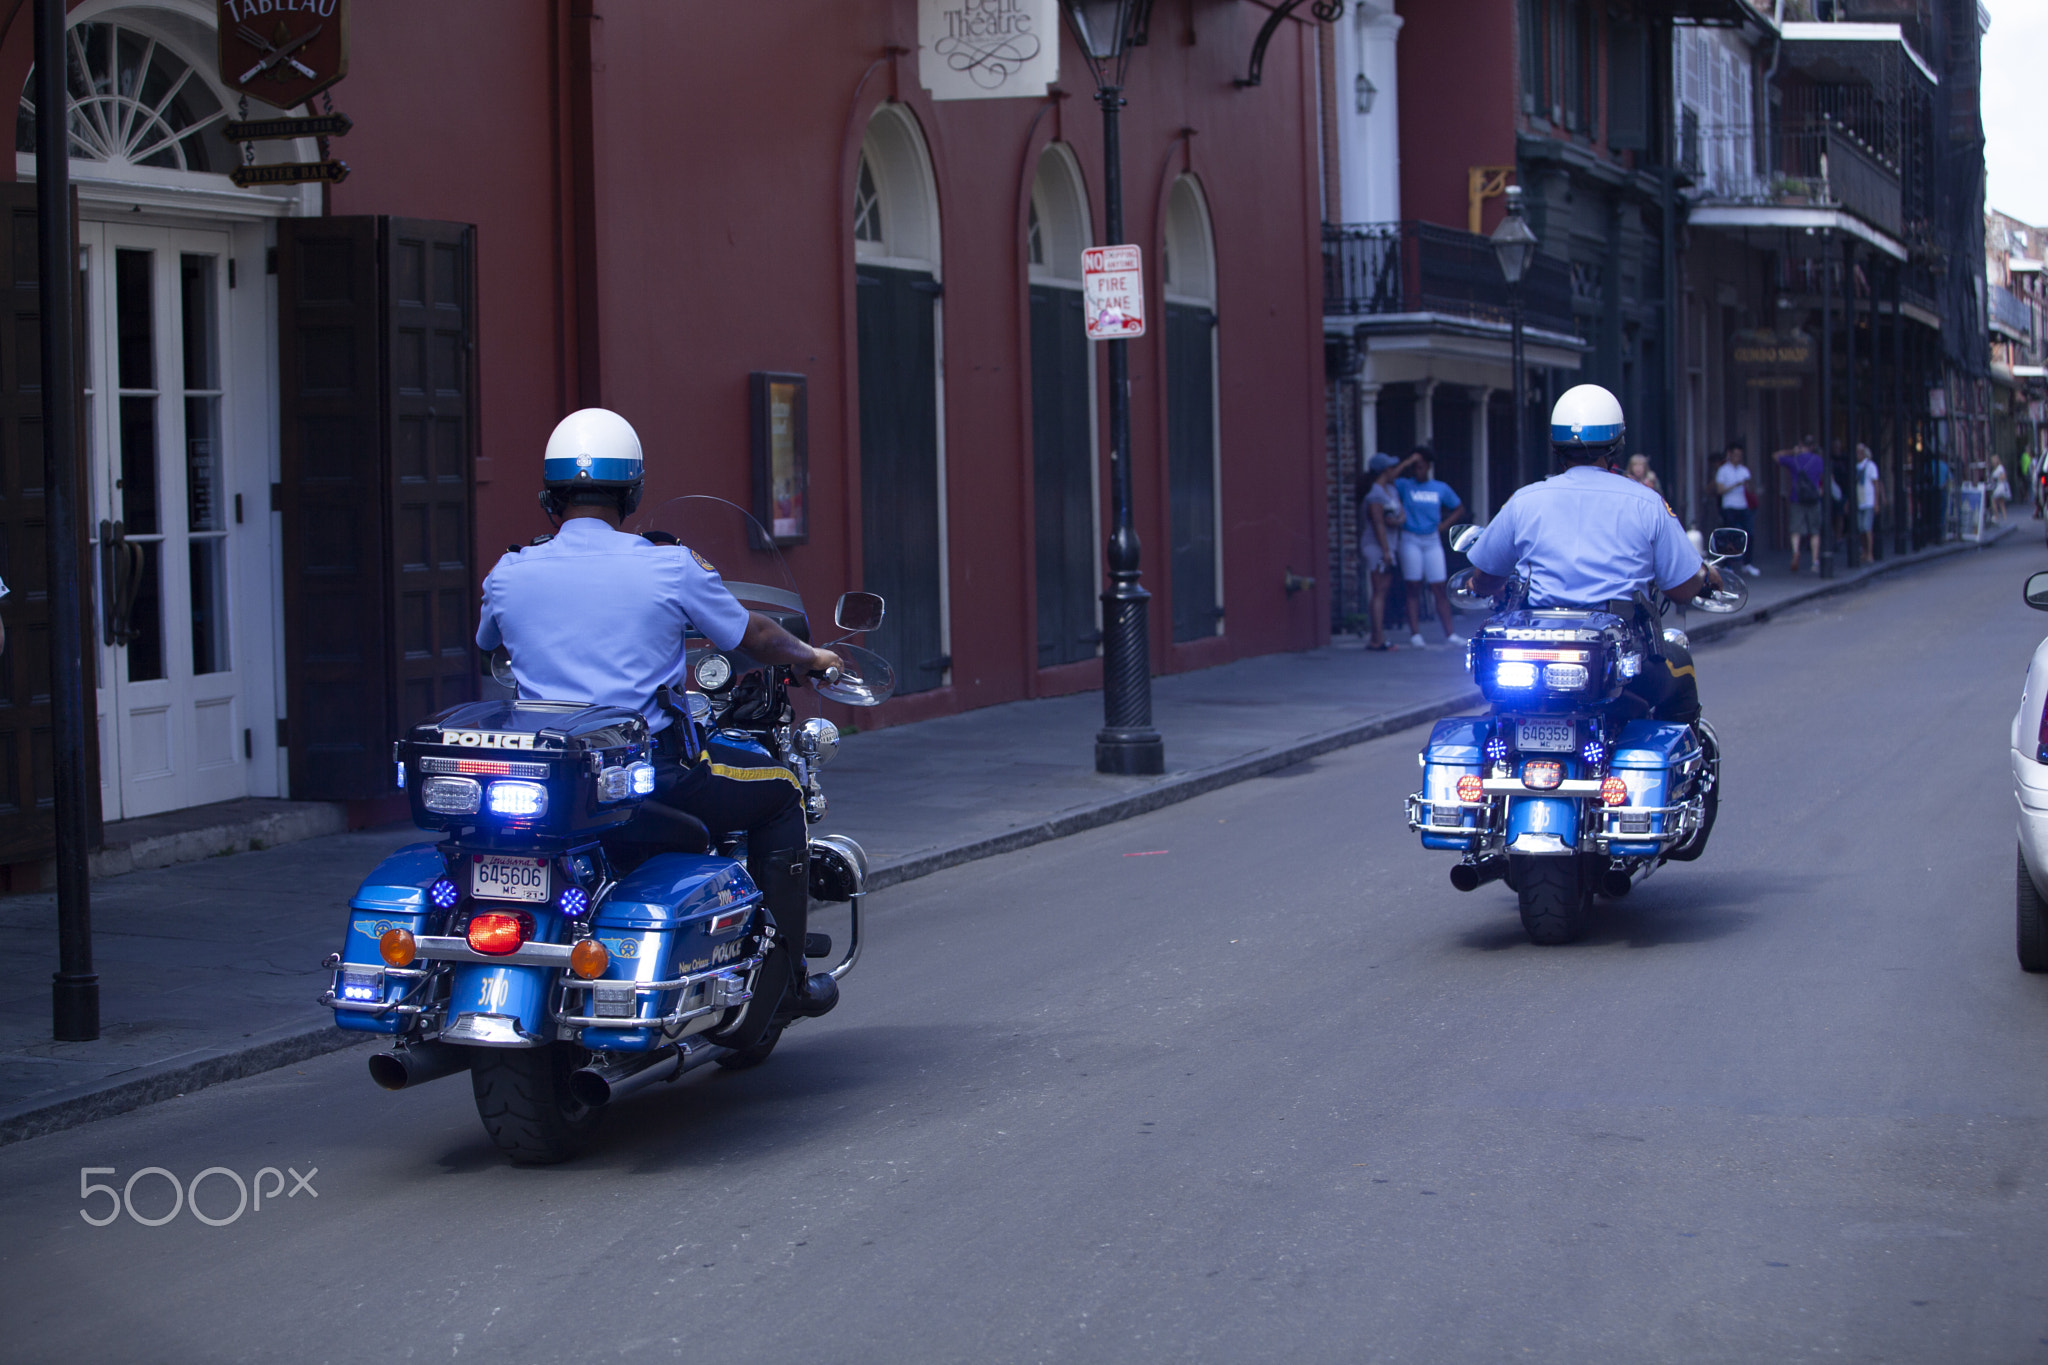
column 1113, row 292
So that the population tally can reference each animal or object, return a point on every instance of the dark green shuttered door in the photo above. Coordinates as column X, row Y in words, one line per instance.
column 899, row 469
column 1063, row 469
column 1191, row 467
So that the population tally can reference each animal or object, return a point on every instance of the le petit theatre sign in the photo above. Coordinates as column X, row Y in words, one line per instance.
column 988, row 49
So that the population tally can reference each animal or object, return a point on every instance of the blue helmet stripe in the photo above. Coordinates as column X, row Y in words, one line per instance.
column 1585, row 435
column 564, row 470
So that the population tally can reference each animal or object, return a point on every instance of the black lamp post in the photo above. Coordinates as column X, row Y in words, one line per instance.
column 1514, row 246
column 1106, row 31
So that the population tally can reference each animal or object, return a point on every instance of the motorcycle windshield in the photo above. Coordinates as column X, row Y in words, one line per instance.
column 735, row 545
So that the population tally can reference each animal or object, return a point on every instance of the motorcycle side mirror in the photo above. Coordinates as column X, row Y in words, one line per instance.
column 501, row 668
column 2037, row 591
column 1729, row 541
column 1462, row 596
column 859, row 611
column 1466, row 537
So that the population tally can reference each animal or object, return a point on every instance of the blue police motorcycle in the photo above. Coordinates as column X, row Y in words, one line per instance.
column 1551, row 790
column 561, row 969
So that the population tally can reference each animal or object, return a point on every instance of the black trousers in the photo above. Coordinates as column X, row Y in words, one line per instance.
column 728, row 788
column 1667, row 689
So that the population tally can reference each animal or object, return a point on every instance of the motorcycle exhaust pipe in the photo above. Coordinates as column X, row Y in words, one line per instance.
column 418, row 1064
column 1621, row 878
column 597, row 1086
column 1472, row 876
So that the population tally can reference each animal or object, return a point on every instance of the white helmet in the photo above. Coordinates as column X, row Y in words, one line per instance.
column 1586, row 419
column 593, row 450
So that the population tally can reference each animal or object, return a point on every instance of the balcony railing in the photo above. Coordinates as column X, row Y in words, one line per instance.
column 2010, row 312
column 1819, row 164
column 1413, row 267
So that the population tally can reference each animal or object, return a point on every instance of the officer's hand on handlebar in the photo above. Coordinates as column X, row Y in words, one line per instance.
column 827, row 665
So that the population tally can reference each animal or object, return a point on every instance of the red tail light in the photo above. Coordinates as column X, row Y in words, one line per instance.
column 1470, row 788
column 1543, row 774
column 499, row 933
column 1614, row 792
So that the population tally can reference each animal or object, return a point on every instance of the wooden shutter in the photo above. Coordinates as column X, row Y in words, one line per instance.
column 899, row 468
column 1191, row 468
column 1063, row 468
column 376, row 368
column 430, row 304
column 28, row 827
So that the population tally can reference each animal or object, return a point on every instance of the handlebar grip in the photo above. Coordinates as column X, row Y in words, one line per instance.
column 830, row 675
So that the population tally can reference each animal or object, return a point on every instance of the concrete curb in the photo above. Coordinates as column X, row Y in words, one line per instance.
column 296, row 1043
column 172, row 1077
column 312, row 821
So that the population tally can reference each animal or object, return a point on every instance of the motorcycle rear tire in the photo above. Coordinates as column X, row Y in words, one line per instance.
column 747, row 1058
column 2033, row 921
column 524, row 1100
column 1554, row 893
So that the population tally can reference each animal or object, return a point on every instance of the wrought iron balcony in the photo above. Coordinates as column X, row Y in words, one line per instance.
column 2010, row 313
column 1414, row 267
column 1820, row 164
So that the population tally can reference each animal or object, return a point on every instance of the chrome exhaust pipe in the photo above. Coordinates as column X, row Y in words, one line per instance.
column 1621, row 878
column 1472, row 876
column 401, row 1068
column 602, row 1082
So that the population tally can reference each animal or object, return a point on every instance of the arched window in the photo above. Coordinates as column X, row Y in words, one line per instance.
column 1063, row 424
column 138, row 98
column 1188, row 267
column 902, row 460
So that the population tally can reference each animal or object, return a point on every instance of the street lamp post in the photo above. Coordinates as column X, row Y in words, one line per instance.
column 1514, row 246
column 1106, row 31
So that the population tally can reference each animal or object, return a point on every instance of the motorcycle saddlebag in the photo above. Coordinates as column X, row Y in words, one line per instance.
column 657, row 926
column 394, row 896
column 1456, row 749
column 1648, row 755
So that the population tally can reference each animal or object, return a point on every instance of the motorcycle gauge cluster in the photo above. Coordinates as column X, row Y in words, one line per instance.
column 713, row 672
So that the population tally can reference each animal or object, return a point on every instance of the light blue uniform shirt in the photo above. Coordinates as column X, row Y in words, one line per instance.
column 1585, row 537
column 597, row 615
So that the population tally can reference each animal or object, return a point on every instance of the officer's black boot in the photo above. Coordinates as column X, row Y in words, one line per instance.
column 784, row 876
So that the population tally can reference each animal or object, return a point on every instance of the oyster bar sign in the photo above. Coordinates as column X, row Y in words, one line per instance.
column 987, row 49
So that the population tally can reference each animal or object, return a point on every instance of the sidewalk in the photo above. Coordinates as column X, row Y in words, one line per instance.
column 209, row 970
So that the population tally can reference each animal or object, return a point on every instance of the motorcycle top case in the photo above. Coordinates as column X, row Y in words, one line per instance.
column 1596, row 641
column 452, row 760
column 1648, row 755
column 1456, row 749
column 393, row 896
column 656, row 926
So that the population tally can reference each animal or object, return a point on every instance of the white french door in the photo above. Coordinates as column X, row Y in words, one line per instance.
column 164, row 518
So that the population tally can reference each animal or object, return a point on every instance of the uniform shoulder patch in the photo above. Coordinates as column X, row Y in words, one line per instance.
column 706, row 565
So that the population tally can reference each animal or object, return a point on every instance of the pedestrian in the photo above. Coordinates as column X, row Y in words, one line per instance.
column 1639, row 470
column 1869, row 497
column 1380, row 514
column 1738, row 499
column 1807, row 470
column 2001, row 490
column 1429, row 506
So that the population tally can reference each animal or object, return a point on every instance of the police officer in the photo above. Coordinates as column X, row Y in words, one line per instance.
column 599, row 616
column 1590, row 537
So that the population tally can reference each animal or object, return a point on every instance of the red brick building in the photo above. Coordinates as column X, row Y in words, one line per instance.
column 317, row 413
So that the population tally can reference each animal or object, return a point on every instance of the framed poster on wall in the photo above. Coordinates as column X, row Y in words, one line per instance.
column 782, row 456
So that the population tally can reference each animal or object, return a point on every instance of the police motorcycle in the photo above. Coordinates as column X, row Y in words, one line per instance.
column 557, row 968
column 1551, row 791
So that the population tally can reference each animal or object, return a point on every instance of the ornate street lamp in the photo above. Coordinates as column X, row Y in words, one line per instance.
column 1514, row 246
column 1107, row 30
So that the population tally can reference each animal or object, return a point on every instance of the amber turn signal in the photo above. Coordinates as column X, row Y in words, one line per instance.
column 398, row 947
column 588, row 959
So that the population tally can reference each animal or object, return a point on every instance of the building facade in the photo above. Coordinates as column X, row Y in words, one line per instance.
column 316, row 413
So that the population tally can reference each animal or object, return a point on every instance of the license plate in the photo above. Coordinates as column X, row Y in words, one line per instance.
column 508, row 879
column 1547, row 736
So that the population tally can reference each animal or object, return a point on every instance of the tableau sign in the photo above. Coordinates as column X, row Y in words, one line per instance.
column 988, row 49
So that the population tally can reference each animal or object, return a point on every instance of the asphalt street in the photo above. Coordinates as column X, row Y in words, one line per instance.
column 1243, row 1079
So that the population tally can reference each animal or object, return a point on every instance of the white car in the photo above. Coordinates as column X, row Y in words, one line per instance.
column 2030, row 788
